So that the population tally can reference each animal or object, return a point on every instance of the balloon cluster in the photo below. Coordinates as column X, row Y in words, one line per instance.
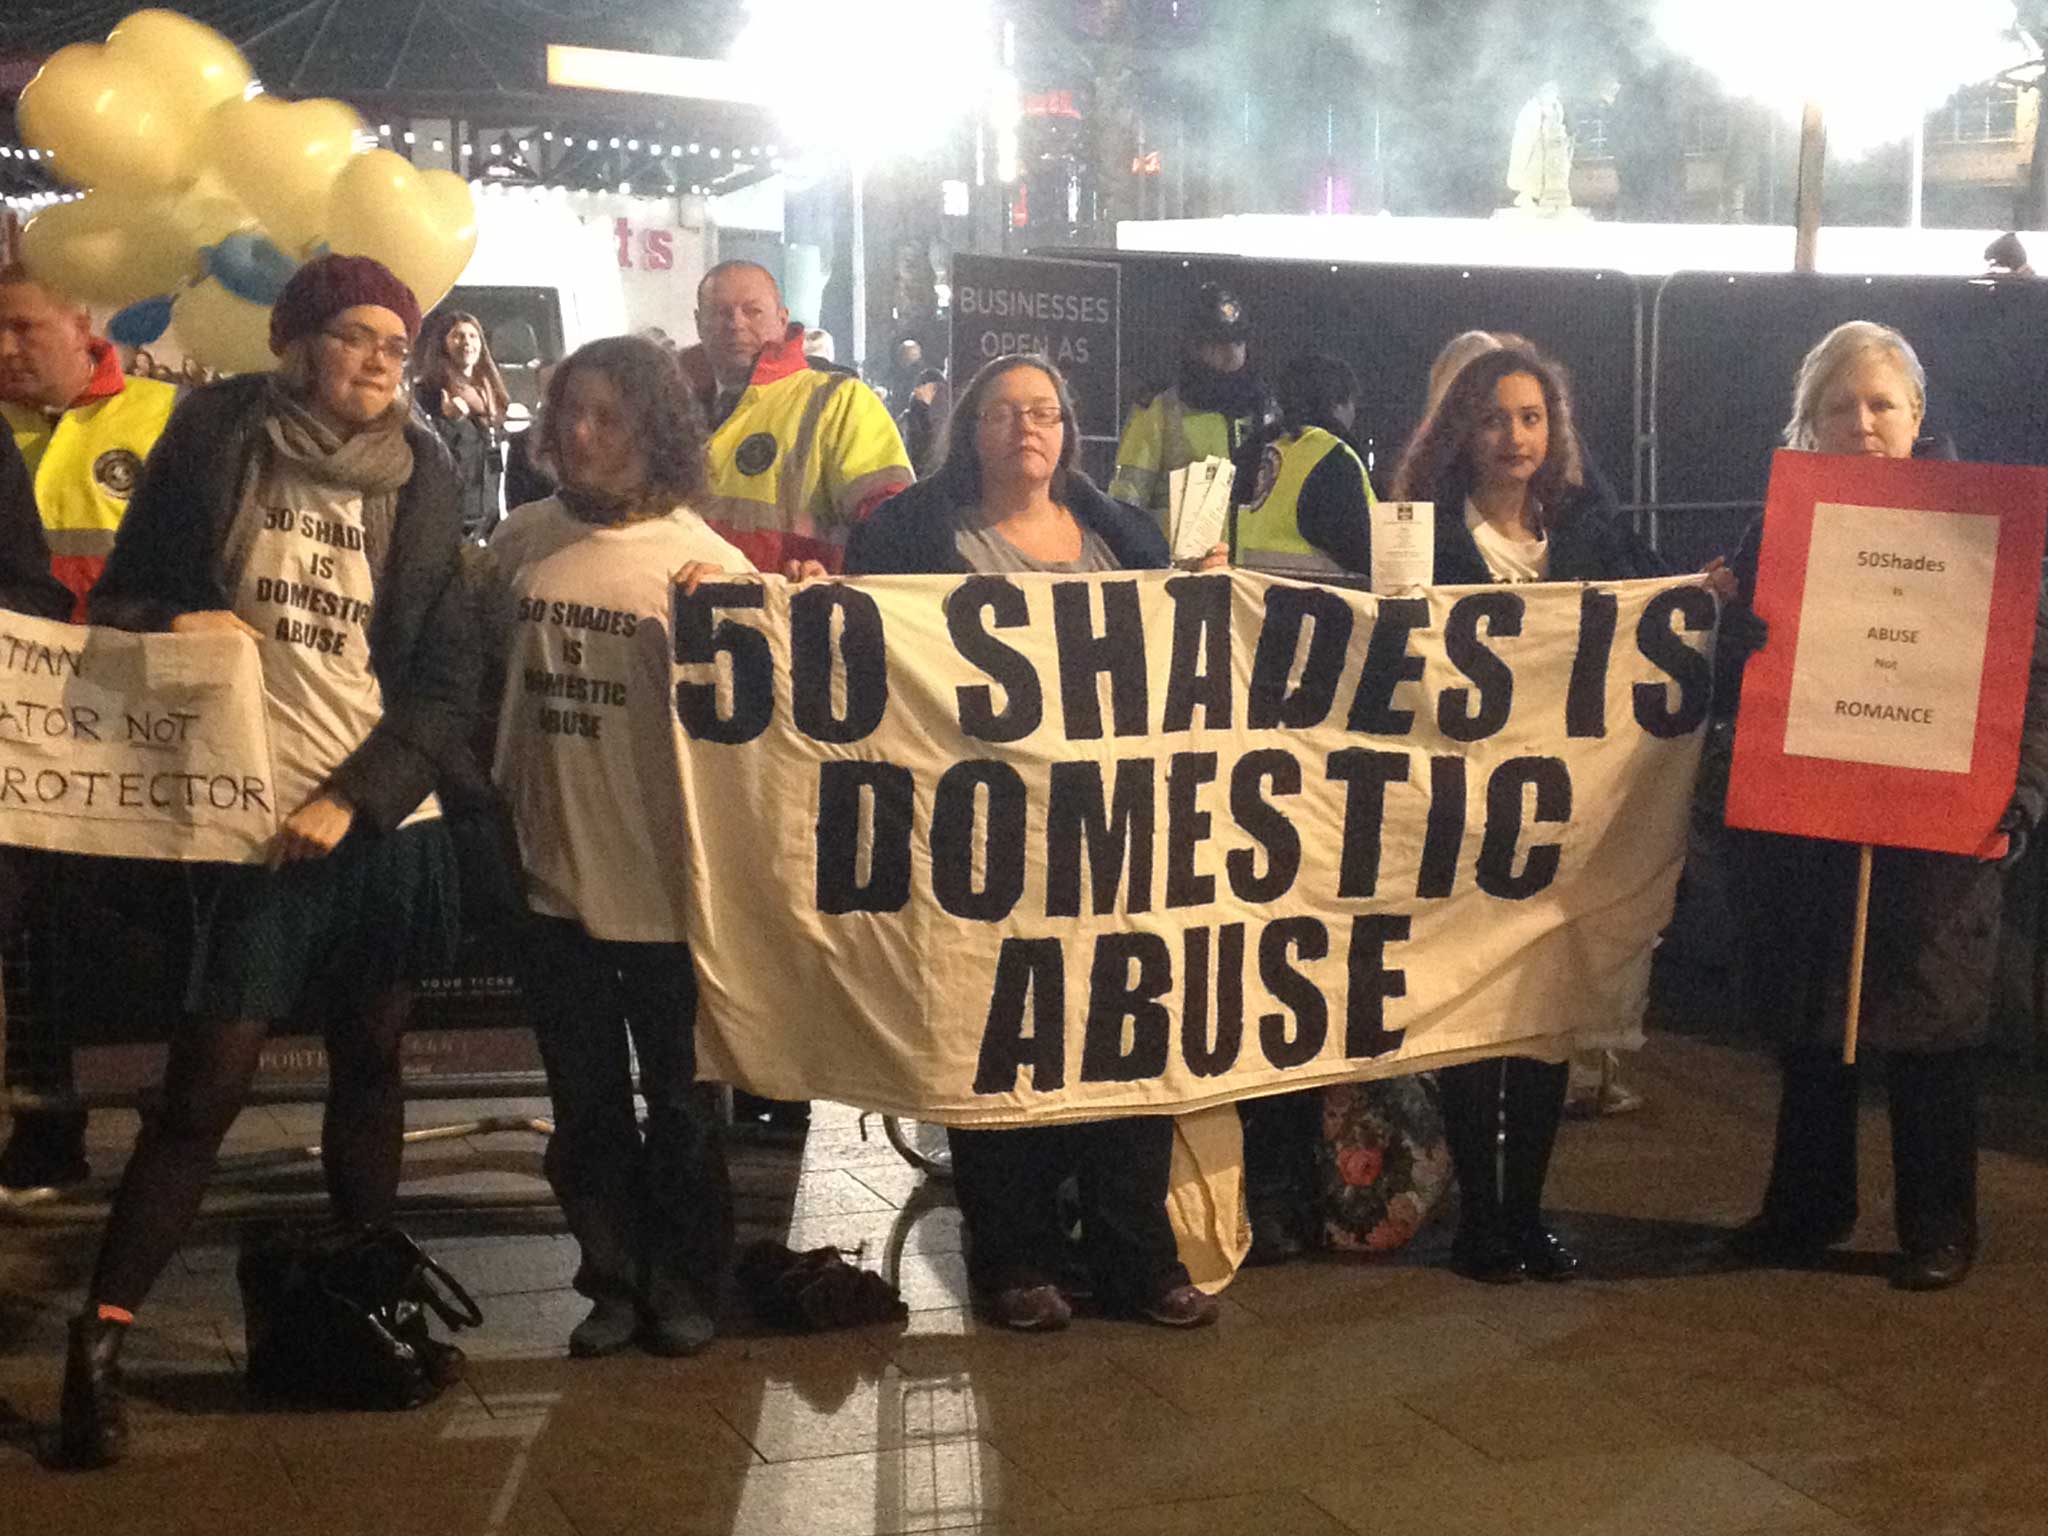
column 206, row 195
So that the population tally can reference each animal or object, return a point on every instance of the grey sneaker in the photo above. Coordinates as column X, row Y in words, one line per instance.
column 1184, row 1306
column 1031, row 1308
column 609, row 1328
column 681, row 1330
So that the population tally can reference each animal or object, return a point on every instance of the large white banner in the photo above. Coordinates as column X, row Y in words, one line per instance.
column 142, row 746
column 990, row 848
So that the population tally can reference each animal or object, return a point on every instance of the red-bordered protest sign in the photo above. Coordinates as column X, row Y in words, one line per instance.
column 1886, row 706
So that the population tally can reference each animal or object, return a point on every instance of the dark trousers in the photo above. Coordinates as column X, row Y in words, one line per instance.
column 1933, row 1101
column 1008, row 1185
column 211, row 1063
column 652, row 1211
column 1500, row 1120
column 1281, row 1134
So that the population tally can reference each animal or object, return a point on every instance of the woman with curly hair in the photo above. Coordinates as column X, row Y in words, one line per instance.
column 576, row 594
column 463, row 394
column 1499, row 457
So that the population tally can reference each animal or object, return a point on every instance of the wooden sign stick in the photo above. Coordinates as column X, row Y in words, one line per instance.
column 1855, row 1008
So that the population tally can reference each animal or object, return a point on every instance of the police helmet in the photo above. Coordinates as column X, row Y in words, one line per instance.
column 1218, row 315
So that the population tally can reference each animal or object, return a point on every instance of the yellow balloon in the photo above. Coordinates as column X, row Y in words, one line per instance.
column 420, row 225
column 115, row 249
column 107, row 121
column 281, row 158
column 222, row 332
column 197, row 68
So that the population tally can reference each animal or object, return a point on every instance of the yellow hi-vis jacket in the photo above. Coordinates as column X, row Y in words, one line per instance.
column 1269, row 532
column 86, row 463
column 805, row 455
column 1164, row 435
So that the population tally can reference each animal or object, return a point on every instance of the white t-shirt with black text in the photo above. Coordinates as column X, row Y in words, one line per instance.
column 305, row 587
column 586, row 752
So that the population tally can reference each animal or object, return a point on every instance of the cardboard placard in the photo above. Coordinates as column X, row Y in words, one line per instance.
column 1886, row 705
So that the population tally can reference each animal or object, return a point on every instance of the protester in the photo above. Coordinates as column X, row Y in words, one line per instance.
column 83, row 429
column 463, row 394
column 1500, row 459
column 1007, row 496
column 1209, row 413
column 1930, row 971
column 603, row 962
column 1302, row 493
column 370, row 690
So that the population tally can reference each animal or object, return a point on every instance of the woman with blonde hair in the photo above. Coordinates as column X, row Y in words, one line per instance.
column 1932, row 951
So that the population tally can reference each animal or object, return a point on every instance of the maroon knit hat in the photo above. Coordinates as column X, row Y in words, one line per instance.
column 327, row 285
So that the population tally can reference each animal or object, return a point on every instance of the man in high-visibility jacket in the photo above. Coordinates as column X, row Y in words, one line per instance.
column 1304, row 509
column 1217, row 406
column 800, row 450
column 83, row 430
column 1304, row 502
column 82, row 426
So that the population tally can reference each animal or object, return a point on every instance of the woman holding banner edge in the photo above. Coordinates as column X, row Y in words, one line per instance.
column 1007, row 496
column 1934, row 918
column 1499, row 457
column 269, row 497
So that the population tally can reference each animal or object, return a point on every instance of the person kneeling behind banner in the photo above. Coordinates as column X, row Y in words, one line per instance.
column 1008, row 497
column 576, row 600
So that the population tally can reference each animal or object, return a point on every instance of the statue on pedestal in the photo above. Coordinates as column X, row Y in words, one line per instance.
column 1540, row 158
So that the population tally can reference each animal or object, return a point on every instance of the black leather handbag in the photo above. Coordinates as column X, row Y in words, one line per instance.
column 338, row 1317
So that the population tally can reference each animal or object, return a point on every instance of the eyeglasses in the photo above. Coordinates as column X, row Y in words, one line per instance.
column 1008, row 415
column 361, row 341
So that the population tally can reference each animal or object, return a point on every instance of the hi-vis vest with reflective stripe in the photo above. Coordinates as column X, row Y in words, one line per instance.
column 792, row 464
column 1269, row 526
column 86, row 467
column 1164, row 435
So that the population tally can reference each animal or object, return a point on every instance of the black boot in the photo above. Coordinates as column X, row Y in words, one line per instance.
column 1483, row 1249
column 95, row 1428
column 1533, row 1104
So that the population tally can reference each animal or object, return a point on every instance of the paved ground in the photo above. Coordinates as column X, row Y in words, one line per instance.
column 1666, row 1393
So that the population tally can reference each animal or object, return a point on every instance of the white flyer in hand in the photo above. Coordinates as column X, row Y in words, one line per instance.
column 1403, row 545
column 1206, row 507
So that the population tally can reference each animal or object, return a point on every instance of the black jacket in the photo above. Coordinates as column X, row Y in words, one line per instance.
column 911, row 533
column 26, row 585
column 478, row 451
column 423, row 641
column 1931, row 970
column 1586, row 544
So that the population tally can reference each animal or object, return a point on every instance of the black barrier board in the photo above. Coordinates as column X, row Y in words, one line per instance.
column 1064, row 310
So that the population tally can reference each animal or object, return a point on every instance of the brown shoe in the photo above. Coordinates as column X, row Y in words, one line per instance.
column 1183, row 1306
column 1031, row 1308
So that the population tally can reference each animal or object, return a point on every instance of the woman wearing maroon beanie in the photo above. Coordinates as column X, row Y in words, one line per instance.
column 305, row 509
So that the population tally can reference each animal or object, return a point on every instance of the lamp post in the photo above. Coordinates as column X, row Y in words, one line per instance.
column 922, row 66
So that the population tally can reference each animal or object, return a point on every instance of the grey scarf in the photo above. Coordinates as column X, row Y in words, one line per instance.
column 374, row 462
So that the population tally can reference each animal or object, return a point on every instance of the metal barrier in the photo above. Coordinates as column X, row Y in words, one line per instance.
column 470, row 1041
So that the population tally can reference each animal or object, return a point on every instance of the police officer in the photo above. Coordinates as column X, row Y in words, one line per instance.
column 83, row 429
column 1304, row 508
column 1304, row 502
column 1215, row 408
column 800, row 450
